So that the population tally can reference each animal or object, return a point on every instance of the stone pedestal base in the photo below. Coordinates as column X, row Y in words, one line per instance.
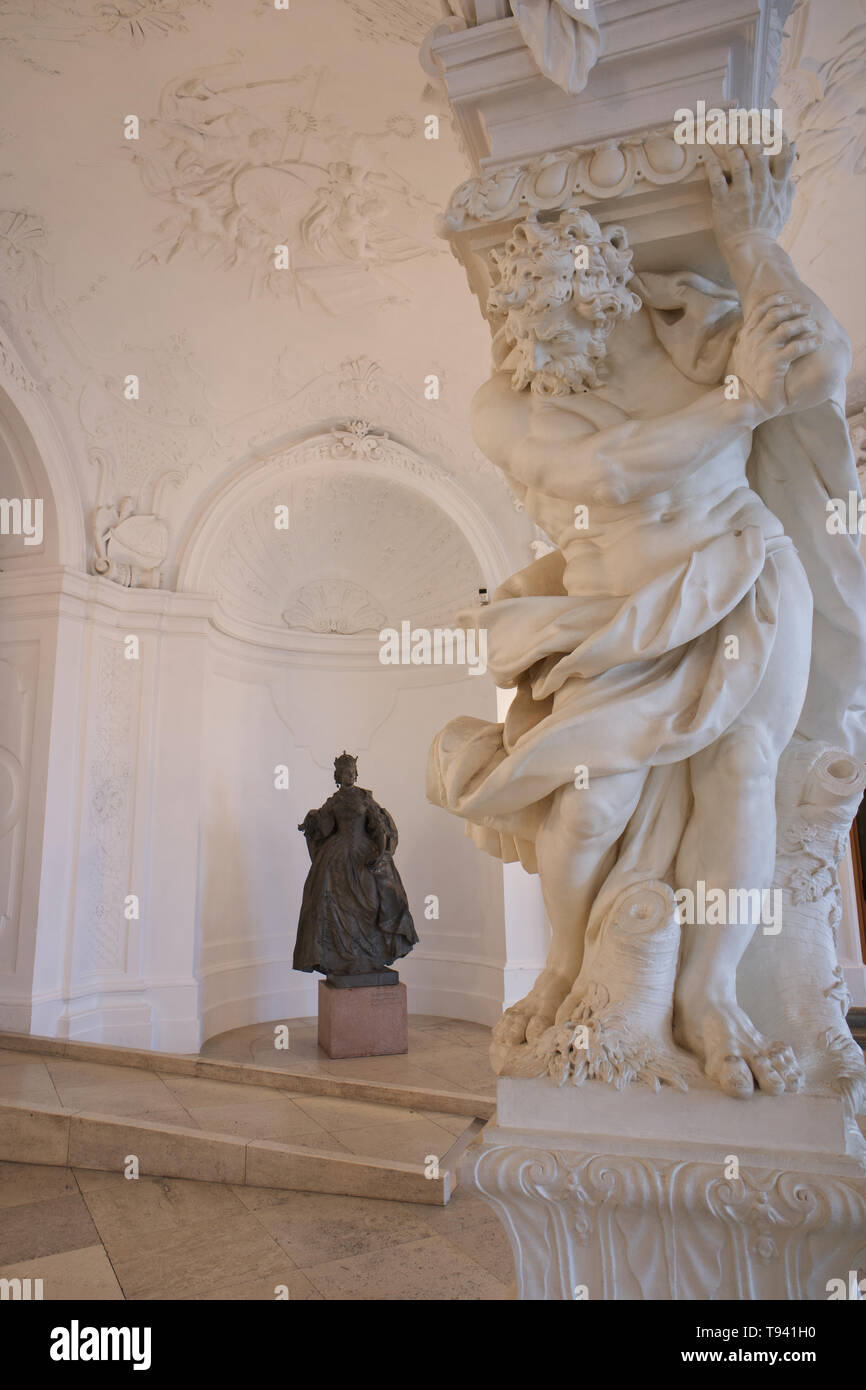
column 635, row 1195
column 367, row 980
column 370, row 1022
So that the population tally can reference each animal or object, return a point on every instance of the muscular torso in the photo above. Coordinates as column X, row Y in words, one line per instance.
column 626, row 545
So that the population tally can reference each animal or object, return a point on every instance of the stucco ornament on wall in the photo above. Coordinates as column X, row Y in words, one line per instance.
column 139, row 449
column 357, row 440
column 236, row 161
column 338, row 606
column 400, row 21
column 36, row 31
column 825, row 112
column 128, row 547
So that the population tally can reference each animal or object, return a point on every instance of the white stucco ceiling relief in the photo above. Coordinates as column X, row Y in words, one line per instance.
column 261, row 263
column 821, row 91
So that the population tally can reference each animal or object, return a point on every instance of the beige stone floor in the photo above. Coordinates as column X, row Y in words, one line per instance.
column 444, row 1054
column 94, row 1235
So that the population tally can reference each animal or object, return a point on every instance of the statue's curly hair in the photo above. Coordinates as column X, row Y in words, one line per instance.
column 537, row 267
column 538, row 270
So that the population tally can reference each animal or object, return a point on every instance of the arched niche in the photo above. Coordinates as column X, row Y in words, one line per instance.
column 375, row 535
column 34, row 464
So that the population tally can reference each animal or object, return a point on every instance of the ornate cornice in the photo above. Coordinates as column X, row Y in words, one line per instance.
column 586, row 173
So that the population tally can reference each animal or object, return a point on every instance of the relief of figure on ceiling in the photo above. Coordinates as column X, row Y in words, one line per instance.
column 246, row 167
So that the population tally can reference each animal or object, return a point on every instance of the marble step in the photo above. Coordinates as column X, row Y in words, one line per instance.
column 280, row 1078
column 62, row 1107
column 56, row 1136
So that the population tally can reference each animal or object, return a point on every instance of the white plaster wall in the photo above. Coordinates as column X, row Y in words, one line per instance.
column 28, row 638
column 153, row 778
column 26, row 662
column 260, row 712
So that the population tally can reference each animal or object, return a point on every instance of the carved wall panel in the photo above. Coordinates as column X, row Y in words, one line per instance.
column 19, row 664
column 107, row 822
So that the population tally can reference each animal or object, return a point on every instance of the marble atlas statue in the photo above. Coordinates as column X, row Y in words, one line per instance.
column 355, row 919
column 688, row 662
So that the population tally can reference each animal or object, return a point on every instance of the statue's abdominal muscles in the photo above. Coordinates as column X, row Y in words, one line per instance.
column 617, row 549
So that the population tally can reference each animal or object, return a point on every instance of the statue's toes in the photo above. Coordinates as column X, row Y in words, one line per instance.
column 537, row 1025
column 567, row 1008
column 786, row 1064
column 733, row 1076
column 511, row 1028
column 770, row 1080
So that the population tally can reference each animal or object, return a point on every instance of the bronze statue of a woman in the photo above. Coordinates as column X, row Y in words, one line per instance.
column 354, row 918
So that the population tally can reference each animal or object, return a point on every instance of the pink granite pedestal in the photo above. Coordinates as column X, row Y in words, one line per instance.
column 367, row 1022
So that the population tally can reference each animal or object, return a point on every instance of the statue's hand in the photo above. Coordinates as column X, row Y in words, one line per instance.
column 773, row 336
column 751, row 192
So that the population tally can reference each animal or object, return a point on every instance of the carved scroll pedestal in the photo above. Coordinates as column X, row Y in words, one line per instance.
column 630, row 1195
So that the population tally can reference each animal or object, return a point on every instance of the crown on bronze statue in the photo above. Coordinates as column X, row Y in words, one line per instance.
column 343, row 758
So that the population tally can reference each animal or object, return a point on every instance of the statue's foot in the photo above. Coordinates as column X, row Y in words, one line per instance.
column 526, row 1021
column 569, row 1005
column 732, row 1051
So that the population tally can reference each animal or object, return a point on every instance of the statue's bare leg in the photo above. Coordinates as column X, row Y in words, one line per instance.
column 575, row 848
column 731, row 843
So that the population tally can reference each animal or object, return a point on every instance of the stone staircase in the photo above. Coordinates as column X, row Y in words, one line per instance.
column 119, row 1109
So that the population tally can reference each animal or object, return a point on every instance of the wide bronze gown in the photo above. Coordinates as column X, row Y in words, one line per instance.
column 354, row 919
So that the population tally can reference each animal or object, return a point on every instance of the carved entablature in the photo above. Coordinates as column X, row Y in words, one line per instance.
column 549, row 75
column 583, row 174
column 541, row 133
column 654, row 187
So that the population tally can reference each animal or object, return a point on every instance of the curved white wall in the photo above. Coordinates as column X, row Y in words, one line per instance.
column 253, row 861
column 159, row 880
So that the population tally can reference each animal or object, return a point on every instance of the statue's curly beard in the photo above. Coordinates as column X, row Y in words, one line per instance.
column 571, row 372
column 574, row 372
column 566, row 375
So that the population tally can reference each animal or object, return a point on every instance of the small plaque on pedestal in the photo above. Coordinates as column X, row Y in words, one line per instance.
column 369, row 1022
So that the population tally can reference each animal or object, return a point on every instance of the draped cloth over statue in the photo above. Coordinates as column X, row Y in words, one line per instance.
column 607, row 681
column 563, row 37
